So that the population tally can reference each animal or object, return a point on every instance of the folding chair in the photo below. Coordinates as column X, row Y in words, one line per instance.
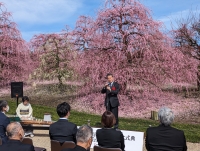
column 68, row 144
column 30, row 142
column 27, row 141
column 98, row 148
column 55, row 145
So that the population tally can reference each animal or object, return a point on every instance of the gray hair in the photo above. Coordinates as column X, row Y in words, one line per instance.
column 13, row 129
column 3, row 104
column 166, row 116
column 84, row 133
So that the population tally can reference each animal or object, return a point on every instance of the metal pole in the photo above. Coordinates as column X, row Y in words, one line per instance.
column 17, row 99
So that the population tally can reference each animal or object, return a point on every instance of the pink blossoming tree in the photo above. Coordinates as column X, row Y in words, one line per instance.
column 55, row 55
column 125, row 40
column 187, row 39
column 15, row 63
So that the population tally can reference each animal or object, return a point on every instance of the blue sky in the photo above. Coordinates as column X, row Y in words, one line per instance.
column 47, row 16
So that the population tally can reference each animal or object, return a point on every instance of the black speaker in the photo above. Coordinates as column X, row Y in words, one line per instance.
column 16, row 89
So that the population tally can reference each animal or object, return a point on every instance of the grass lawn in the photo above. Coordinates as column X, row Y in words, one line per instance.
column 192, row 131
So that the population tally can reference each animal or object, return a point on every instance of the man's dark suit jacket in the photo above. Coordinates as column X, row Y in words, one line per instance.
column 16, row 145
column 4, row 121
column 112, row 95
column 77, row 148
column 110, row 138
column 165, row 138
column 62, row 131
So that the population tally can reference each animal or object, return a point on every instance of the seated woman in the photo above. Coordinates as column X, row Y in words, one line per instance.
column 109, row 137
column 4, row 120
column 24, row 112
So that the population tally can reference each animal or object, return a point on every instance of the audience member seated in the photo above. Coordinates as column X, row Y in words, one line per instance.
column 84, row 139
column 63, row 130
column 24, row 112
column 15, row 134
column 4, row 120
column 109, row 137
column 164, row 137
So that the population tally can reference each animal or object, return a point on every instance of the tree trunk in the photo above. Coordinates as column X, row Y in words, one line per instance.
column 154, row 115
column 60, row 86
column 198, row 81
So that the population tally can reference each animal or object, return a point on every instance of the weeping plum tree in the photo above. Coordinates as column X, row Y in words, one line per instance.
column 15, row 62
column 126, row 41
column 187, row 39
column 54, row 55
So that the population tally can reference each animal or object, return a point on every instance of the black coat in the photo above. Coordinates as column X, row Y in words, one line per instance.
column 4, row 121
column 111, row 96
column 62, row 131
column 16, row 145
column 165, row 138
column 110, row 138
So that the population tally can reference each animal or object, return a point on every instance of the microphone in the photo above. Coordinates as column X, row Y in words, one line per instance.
column 107, row 85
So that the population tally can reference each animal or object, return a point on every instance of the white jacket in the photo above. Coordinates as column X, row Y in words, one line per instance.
column 24, row 110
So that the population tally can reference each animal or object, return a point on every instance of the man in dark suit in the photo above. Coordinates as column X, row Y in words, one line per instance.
column 63, row 130
column 111, row 101
column 84, row 139
column 15, row 133
column 164, row 137
column 4, row 120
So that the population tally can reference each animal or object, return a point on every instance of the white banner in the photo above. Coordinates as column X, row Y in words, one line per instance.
column 133, row 140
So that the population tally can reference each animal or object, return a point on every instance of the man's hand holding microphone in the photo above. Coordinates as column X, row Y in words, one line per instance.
column 107, row 87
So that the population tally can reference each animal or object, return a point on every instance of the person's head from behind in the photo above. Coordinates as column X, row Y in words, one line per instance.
column 165, row 116
column 108, row 119
column 25, row 100
column 63, row 110
column 110, row 77
column 4, row 106
column 15, row 131
column 84, row 136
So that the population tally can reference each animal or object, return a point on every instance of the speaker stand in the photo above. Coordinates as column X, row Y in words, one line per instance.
column 17, row 101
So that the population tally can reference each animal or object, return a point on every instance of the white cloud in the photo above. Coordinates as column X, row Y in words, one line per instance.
column 171, row 20
column 41, row 11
